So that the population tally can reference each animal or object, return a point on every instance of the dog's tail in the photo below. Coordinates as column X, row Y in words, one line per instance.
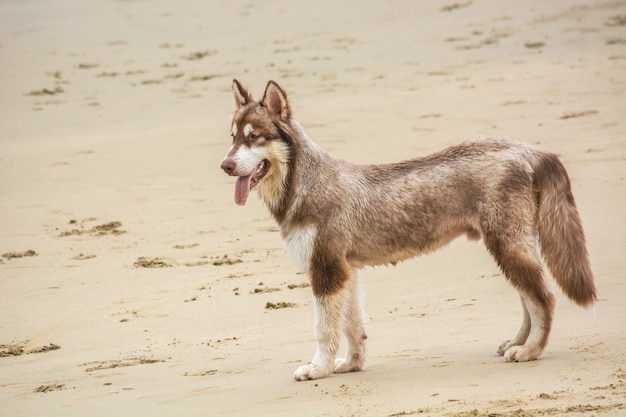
column 561, row 234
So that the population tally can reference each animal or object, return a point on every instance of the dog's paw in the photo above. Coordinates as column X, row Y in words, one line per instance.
column 342, row 366
column 308, row 372
column 504, row 346
column 521, row 354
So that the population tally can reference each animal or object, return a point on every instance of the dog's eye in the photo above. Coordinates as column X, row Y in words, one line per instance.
column 254, row 135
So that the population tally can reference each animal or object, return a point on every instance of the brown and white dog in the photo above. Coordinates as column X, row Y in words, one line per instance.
column 337, row 216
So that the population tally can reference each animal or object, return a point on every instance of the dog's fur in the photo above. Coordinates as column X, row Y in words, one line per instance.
column 336, row 216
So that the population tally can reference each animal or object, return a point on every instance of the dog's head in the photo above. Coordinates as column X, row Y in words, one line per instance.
column 260, row 151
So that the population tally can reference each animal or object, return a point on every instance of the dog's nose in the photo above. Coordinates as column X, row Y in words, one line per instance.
column 228, row 165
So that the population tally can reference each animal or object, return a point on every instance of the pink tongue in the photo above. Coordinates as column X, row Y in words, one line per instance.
column 242, row 189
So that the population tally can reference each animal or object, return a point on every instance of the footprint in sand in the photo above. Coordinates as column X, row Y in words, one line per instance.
column 279, row 305
column 15, row 255
column 18, row 349
column 143, row 262
column 83, row 257
column 111, row 364
column 80, row 228
column 49, row 388
column 574, row 115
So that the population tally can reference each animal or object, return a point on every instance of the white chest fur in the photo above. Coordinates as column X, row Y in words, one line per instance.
column 299, row 244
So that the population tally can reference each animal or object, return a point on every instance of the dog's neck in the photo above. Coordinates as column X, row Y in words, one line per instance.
column 285, row 187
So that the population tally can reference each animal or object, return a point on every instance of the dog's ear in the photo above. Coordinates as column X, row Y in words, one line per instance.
column 241, row 95
column 275, row 100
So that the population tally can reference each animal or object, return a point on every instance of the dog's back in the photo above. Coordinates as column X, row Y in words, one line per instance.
column 390, row 212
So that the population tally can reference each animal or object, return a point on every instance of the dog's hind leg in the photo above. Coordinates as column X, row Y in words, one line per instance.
column 540, row 312
column 353, row 329
column 521, row 336
column 521, row 264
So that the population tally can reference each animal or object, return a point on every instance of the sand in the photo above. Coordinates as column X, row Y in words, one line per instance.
column 131, row 284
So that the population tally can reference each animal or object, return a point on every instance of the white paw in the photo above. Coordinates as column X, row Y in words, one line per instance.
column 504, row 346
column 308, row 372
column 520, row 354
column 343, row 366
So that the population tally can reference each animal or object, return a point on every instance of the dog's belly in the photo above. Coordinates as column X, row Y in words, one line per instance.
column 359, row 261
column 376, row 253
column 382, row 257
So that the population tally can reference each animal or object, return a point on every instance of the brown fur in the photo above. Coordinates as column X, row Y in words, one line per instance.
column 336, row 217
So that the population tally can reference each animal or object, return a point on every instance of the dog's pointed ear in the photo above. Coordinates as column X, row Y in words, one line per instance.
column 275, row 100
column 241, row 95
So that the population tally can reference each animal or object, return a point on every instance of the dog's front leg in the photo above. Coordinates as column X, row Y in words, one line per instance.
column 353, row 328
column 328, row 311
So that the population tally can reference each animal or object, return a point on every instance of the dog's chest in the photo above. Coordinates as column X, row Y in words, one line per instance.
column 299, row 245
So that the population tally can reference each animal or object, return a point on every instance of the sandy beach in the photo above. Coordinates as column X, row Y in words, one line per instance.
column 132, row 285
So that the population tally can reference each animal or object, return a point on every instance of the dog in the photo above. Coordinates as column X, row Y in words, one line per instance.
column 336, row 217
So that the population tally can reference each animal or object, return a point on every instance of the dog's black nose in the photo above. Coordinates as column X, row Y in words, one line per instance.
column 228, row 165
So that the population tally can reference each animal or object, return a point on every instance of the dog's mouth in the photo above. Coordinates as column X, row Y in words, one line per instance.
column 244, row 184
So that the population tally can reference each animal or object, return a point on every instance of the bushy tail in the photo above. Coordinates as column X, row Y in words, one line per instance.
column 561, row 234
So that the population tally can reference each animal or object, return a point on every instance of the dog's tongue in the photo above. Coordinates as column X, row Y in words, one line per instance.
column 242, row 189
